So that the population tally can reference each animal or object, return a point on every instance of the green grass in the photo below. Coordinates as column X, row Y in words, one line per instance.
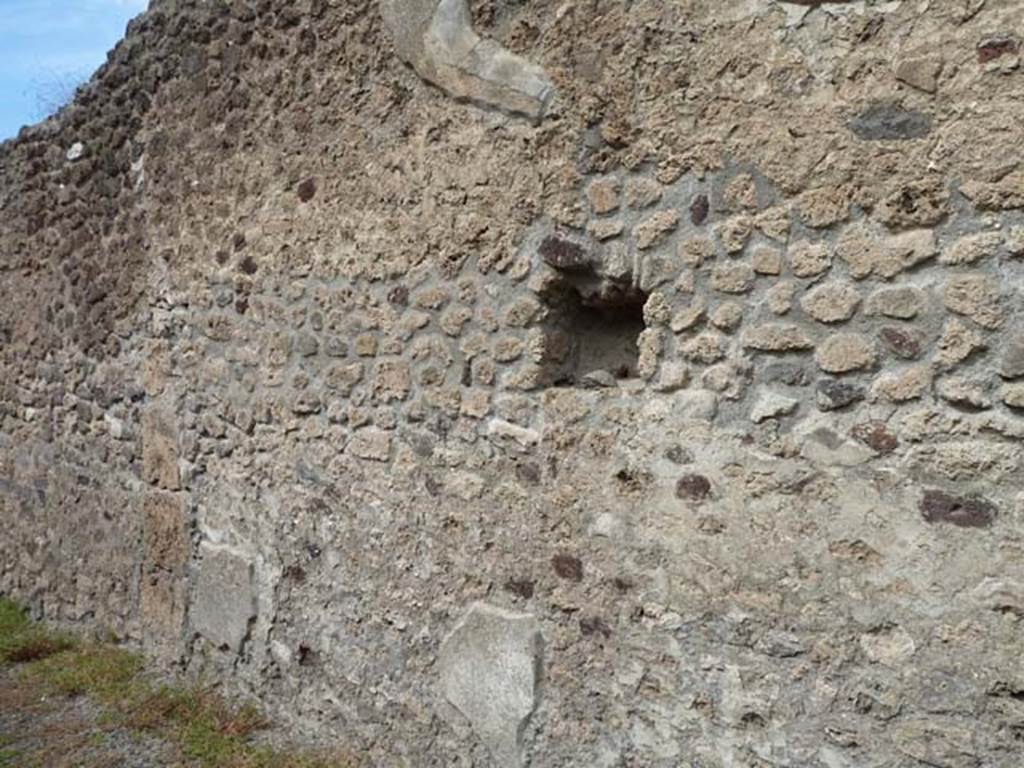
column 206, row 730
column 22, row 641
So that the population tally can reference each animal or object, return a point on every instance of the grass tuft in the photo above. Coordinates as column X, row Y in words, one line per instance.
column 206, row 730
column 22, row 641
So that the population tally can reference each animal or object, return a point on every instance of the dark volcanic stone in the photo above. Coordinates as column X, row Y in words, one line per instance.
column 306, row 190
column 524, row 588
column 564, row 254
column 833, row 394
column 693, row 487
column 962, row 511
column 904, row 344
column 567, row 567
column 699, row 209
column 888, row 122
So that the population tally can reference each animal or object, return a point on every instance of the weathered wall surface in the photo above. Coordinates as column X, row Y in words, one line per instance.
column 681, row 427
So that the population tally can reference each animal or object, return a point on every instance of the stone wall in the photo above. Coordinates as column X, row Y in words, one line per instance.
column 680, row 427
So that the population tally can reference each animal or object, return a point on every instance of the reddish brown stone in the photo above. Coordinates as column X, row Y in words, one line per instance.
column 567, row 566
column 875, row 435
column 564, row 254
column 306, row 190
column 904, row 344
column 997, row 47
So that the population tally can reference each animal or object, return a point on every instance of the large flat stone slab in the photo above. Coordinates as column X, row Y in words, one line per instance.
column 437, row 38
column 224, row 603
column 490, row 670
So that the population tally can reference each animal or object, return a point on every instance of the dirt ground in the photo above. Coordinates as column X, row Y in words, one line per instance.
column 43, row 731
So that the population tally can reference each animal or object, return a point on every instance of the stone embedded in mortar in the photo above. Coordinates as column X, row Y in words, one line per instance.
column 705, row 348
column 771, row 405
column 904, row 343
column 964, row 393
column 890, row 122
column 734, row 233
column 921, row 73
column 779, row 297
column 567, row 566
column 734, row 278
column 689, row 317
column 958, row 342
column 693, row 487
column 1014, row 242
column 912, row 204
column 437, row 38
column 977, row 296
column 1012, row 366
column 699, row 209
column 371, row 444
column 972, row 248
column 490, row 669
column 603, row 195
column 899, row 387
column 808, row 259
column 776, row 337
column 962, row 511
column 1013, row 396
column 823, row 207
column 564, row 254
column 832, row 302
column 766, row 260
column 224, row 603
column 901, row 303
column 1007, row 194
column 602, row 229
column 642, row 193
column 833, row 394
column 997, row 46
column 655, row 229
column 727, row 317
column 845, row 352
column 876, row 435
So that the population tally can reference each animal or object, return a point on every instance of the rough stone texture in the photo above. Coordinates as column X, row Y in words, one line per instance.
column 437, row 38
column 1012, row 366
column 166, row 541
column 774, row 337
column 903, row 303
column 845, row 352
column 831, row 302
column 489, row 668
column 262, row 267
column 978, row 297
column 809, row 259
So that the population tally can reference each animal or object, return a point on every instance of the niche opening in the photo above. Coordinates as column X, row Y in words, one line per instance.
column 591, row 334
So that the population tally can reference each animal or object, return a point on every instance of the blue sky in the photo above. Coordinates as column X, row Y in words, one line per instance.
column 49, row 46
